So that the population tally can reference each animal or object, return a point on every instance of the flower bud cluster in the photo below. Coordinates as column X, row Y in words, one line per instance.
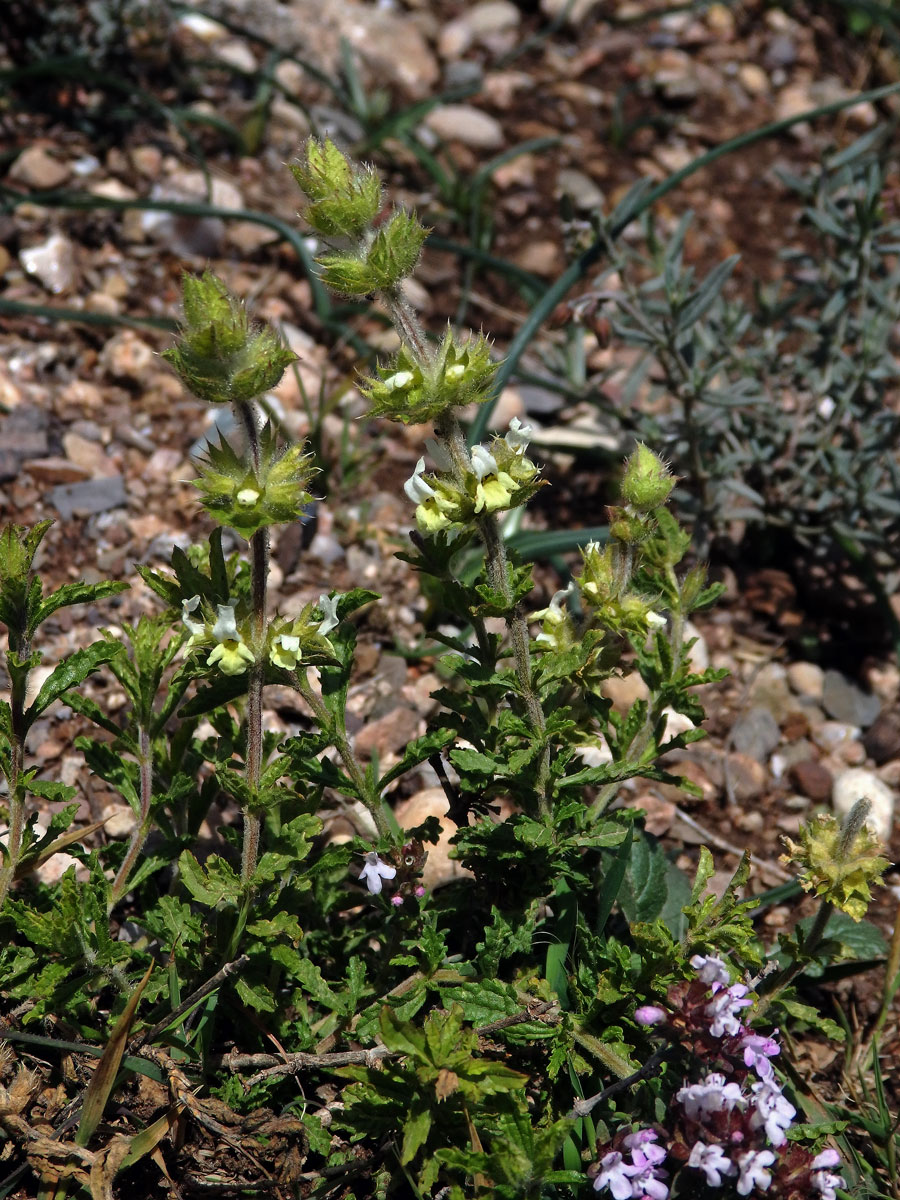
column 413, row 391
column 248, row 497
column 731, row 1126
column 344, row 202
column 500, row 478
column 839, row 864
column 228, row 636
column 221, row 357
column 605, row 586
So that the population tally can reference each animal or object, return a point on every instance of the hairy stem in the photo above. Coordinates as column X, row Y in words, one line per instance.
column 259, row 574
column 450, row 433
column 145, row 763
column 21, row 647
column 778, row 982
column 341, row 742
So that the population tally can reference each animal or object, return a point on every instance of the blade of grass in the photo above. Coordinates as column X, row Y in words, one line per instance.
column 86, row 201
column 104, row 1076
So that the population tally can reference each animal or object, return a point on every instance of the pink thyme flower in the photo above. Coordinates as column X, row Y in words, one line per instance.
column 753, row 1173
column 615, row 1174
column 649, row 1014
column 712, row 1095
column 710, row 969
column 375, row 871
column 713, row 1160
column 824, row 1180
column 774, row 1112
column 722, row 1010
column 757, row 1052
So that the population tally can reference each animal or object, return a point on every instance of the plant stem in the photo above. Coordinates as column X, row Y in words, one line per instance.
column 21, row 647
column 778, row 982
column 449, row 431
column 145, row 762
column 259, row 574
column 338, row 735
column 16, row 819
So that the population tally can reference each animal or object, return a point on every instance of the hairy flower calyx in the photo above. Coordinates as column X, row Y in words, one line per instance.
column 413, row 392
column 220, row 356
column 344, row 199
column 836, row 867
column 247, row 499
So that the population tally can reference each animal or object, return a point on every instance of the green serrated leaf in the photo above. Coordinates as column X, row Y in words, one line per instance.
column 69, row 673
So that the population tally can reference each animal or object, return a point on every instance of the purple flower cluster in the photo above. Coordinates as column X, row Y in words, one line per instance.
column 731, row 1126
column 639, row 1179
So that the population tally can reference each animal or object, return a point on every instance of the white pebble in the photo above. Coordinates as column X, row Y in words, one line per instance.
column 856, row 784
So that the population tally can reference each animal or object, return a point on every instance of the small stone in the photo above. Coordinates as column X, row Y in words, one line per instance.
column 388, row 734
column 781, row 52
column 658, row 812
column 756, row 733
column 90, row 497
column 882, row 739
column 440, row 868
column 753, row 79
column 52, row 262
column 580, row 188
column 236, row 54
column 113, row 189
column 856, row 784
column 120, row 820
column 806, row 679
column 690, row 772
column 812, row 780
column 676, row 723
column 882, row 679
column 481, row 23
column 37, row 169
column 747, row 777
column 847, row 702
column 625, row 690
column 147, row 161
column 830, row 736
column 127, row 357
column 52, row 871
column 56, row 470
column 770, row 689
column 698, row 655
column 463, row 123
column 575, row 11
column 751, row 821
column 87, row 455
column 326, row 548
column 542, row 257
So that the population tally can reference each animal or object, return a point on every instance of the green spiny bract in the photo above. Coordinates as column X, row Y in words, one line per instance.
column 221, row 357
column 381, row 266
column 246, row 498
column 343, row 200
column 836, row 867
column 460, row 373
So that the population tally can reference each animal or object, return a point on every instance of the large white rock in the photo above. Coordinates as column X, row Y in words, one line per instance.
column 858, row 783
